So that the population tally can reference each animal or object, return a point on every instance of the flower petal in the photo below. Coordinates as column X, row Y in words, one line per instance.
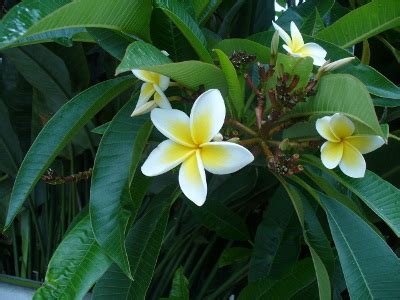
column 161, row 99
column 282, row 33
column 145, row 108
column 297, row 39
column 207, row 116
column 315, row 51
column 331, row 154
column 365, row 143
column 352, row 163
column 324, row 129
column 163, row 82
column 192, row 179
column 289, row 50
column 224, row 157
column 152, row 77
column 341, row 126
column 165, row 157
column 146, row 91
column 174, row 124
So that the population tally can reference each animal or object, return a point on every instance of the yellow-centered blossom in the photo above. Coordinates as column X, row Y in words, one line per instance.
column 154, row 84
column 296, row 47
column 342, row 147
column 190, row 144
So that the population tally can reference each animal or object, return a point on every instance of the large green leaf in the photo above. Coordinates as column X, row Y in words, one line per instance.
column 235, row 93
column 191, row 74
column 345, row 94
column 114, row 42
column 187, row 25
column 277, row 241
column 216, row 216
column 180, row 286
column 354, row 27
column 376, row 83
column 143, row 244
column 58, row 132
column 371, row 269
column 117, row 157
column 301, row 276
column 10, row 149
column 127, row 16
column 75, row 266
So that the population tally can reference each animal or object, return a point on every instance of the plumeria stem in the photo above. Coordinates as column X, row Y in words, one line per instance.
column 240, row 126
column 249, row 142
column 265, row 149
column 175, row 98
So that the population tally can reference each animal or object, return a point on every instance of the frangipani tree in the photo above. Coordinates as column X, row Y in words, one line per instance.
column 287, row 207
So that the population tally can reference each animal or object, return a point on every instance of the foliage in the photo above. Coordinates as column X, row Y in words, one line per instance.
column 78, row 215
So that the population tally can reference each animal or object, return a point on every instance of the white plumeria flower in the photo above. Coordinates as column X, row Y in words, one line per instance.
column 189, row 143
column 296, row 47
column 154, row 84
column 342, row 147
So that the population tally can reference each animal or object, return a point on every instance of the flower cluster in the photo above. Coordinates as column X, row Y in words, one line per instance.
column 194, row 141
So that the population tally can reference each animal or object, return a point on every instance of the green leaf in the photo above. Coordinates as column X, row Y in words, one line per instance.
column 313, row 24
column 233, row 255
column 277, row 241
column 101, row 129
column 191, row 74
column 302, row 275
column 217, row 217
column 10, row 149
column 205, row 8
column 143, row 244
column 345, row 94
column 180, row 286
column 371, row 269
column 189, row 28
column 235, row 93
column 58, row 132
column 84, row 13
column 5, row 193
column 75, row 266
column 117, row 157
column 380, row 196
column 352, row 28
column 376, row 83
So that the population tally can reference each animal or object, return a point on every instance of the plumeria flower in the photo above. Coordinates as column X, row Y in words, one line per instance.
column 190, row 144
column 342, row 147
column 154, row 84
column 296, row 47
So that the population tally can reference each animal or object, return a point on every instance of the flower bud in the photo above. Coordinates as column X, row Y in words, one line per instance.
column 218, row 138
column 274, row 47
column 331, row 66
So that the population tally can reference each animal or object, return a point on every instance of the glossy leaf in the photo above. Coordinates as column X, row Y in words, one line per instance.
column 353, row 27
column 313, row 24
column 87, row 13
column 58, row 131
column 235, row 93
column 75, row 266
column 187, row 25
column 345, row 94
column 302, row 275
column 180, row 286
column 143, row 244
column 371, row 269
column 117, row 157
column 277, row 241
column 233, row 255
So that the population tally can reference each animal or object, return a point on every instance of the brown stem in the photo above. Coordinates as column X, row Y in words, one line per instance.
column 51, row 178
column 240, row 126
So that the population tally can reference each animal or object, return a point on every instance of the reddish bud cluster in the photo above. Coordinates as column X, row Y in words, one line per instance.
column 241, row 58
column 285, row 165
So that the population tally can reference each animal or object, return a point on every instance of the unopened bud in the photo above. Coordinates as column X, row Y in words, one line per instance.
column 218, row 138
column 275, row 44
column 331, row 66
column 234, row 140
column 165, row 52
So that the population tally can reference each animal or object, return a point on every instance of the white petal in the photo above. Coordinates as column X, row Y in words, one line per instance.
column 145, row 108
column 207, row 116
column 152, row 77
column 165, row 157
column 224, row 157
column 282, row 33
column 365, row 143
column 289, row 50
column 315, row 51
column 352, row 163
column 163, row 82
column 297, row 39
column 161, row 99
column 192, row 179
column 324, row 129
column 174, row 124
column 331, row 154
column 341, row 126
column 146, row 91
